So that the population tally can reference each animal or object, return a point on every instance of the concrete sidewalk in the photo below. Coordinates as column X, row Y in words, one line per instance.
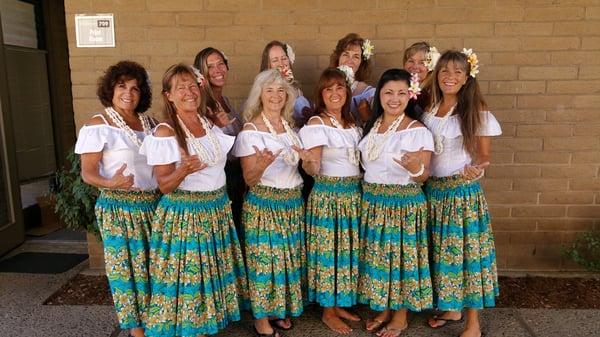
column 23, row 315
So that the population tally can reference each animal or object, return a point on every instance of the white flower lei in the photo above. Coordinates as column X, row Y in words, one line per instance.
column 353, row 153
column 290, row 156
column 374, row 148
column 414, row 90
column 210, row 159
column 438, row 138
column 347, row 70
column 118, row 120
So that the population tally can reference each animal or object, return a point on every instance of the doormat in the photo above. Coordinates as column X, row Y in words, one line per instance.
column 41, row 263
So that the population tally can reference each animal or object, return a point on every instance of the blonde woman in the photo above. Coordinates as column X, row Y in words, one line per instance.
column 273, row 212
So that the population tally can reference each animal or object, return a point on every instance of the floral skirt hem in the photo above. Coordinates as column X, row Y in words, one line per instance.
column 394, row 262
column 462, row 245
column 124, row 219
column 274, row 229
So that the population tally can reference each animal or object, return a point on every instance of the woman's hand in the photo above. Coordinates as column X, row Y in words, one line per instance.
column 220, row 118
column 191, row 164
column 255, row 165
column 411, row 161
column 473, row 172
column 265, row 157
column 120, row 181
column 311, row 159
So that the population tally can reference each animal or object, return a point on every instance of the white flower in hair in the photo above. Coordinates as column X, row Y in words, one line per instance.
column 290, row 53
column 367, row 49
column 473, row 61
column 347, row 70
column 432, row 57
column 199, row 77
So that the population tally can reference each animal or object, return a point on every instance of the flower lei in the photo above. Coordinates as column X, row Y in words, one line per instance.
column 199, row 77
column 347, row 70
column 367, row 49
column 374, row 148
column 210, row 159
column 438, row 138
column 290, row 53
column 286, row 72
column 118, row 120
column 473, row 61
column 432, row 57
column 414, row 90
column 353, row 153
column 290, row 156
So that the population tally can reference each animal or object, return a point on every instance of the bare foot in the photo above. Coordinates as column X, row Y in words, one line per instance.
column 471, row 332
column 137, row 332
column 395, row 327
column 262, row 326
column 379, row 320
column 334, row 322
column 282, row 323
column 343, row 313
column 447, row 317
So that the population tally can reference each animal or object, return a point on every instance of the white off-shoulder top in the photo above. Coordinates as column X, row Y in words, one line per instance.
column 117, row 149
column 454, row 157
column 384, row 169
column 336, row 144
column 279, row 174
column 165, row 150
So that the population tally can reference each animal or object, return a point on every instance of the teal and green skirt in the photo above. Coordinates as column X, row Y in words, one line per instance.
column 394, row 262
column 273, row 220
column 197, row 273
column 332, row 222
column 124, row 219
column 462, row 245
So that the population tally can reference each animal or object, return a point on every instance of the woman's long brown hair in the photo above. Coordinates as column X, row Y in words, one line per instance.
column 470, row 102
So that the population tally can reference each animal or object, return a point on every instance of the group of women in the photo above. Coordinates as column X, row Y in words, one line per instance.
column 396, row 218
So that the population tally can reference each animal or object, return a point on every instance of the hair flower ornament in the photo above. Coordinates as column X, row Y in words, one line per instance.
column 347, row 70
column 432, row 57
column 286, row 72
column 473, row 61
column 290, row 53
column 199, row 77
column 367, row 49
column 414, row 90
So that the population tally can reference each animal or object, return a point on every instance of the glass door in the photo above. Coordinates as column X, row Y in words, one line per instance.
column 12, row 230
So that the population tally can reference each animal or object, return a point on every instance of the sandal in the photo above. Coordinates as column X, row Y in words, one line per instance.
column 445, row 321
column 394, row 331
column 376, row 324
column 279, row 323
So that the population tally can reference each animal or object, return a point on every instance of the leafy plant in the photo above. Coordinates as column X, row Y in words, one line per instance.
column 586, row 251
column 75, row 200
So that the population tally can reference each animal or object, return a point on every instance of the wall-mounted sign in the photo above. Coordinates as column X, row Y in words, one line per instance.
column 96, row 30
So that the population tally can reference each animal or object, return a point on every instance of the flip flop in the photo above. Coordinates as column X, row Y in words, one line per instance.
column 396, row 332
column 446, row 321
column 377, row 324
column 278, row 322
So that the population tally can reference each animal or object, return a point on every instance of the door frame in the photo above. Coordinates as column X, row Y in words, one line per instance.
column 12, row 233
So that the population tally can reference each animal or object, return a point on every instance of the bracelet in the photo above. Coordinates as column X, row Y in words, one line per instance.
column 414, row 175
column 479, row 176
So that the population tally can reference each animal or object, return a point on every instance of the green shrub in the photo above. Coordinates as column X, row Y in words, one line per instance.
column 586, row 251
column 75, row 200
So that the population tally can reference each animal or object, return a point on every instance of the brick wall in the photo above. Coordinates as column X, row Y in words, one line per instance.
column 540, row 71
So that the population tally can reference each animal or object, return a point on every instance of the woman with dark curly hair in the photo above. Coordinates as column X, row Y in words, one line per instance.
column 110, row 160
column 355, row 53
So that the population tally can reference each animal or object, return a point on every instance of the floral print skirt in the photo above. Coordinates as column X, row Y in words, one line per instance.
column 394, row 263
column 462, row 245
column 124, row 219
column 197, row 273
column 332, row 221
column 273, row 220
